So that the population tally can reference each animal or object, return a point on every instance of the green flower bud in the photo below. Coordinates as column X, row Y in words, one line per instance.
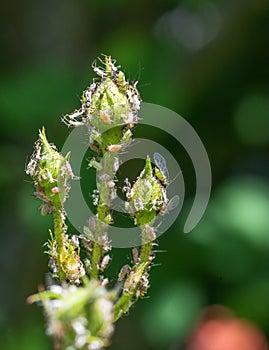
column 65, row 260
column 146, row 197
column 77, row 317
column 112, row 101
column 50, row 172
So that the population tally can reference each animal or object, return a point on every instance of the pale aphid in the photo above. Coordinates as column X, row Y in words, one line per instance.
column 105, row 282
column 150, row 232
column 105, row 117
column 110, row 184
column 99, row 71
column 161, row 170
column 116, row 164
column 135, row 255
column 105, row 262
column 171, row 205
column 123, row 272
column 114, row 148
column 55, row 190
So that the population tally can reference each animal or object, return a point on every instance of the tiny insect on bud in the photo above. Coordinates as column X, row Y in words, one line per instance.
column 114, row 148
column 67, row 168
column 161, row 170
column 105, row 282
column 94, row 164
column 103, row 241
column 150, row 232
column 116, row 164
column 135, row 255
column 92, row 223
column 55, row 190
column 105, row 262
column 94, row 148
column 123, row 272
column 170, row 205
column 73, row 119
column 42, row 196
column 99, row 71
column 46, row 209
column 104, row 117
column 113, row 193
column 111, row 184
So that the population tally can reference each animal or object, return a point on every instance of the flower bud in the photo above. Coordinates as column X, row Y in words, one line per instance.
column 49, row 170
column 65, row 260
column 112, row 101
column 77, row 317
column 146, row 197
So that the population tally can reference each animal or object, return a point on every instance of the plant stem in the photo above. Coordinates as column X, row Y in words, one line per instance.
column 134, row 282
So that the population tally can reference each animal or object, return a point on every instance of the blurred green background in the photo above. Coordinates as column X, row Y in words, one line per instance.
column 206, row 60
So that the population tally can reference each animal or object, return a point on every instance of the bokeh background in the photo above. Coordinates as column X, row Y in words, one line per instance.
column 206, row 60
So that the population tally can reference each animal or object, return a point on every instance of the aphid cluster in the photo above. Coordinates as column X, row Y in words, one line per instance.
column 149, row 192
column 111, row 101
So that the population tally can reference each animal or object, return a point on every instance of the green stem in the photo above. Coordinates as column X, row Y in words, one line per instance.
column 97, row 254
column 59, row 234
column 58, row 224
column 132, row 284
column 102, row 210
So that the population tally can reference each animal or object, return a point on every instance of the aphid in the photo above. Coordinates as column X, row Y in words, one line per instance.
column 161, row 170
column 171, row 205
column 73, row 119
column 150, row 232
column 92, row 223
column 105, row 282
column 103, row 241
column 42, row 196
column 94, row 164
column 105, row 262
column 104, row 117
column 123, row 272
column 99, row 71
column 113, row 194
column 94, row 148
column 46, row 209
column 116, row 164
column 135, row 255
column 114, row 148
column 111, row 184
column 69, row 169
column 55, row 190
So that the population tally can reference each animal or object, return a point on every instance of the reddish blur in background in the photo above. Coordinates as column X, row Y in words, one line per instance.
column 219, row 329
column 208, row 61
